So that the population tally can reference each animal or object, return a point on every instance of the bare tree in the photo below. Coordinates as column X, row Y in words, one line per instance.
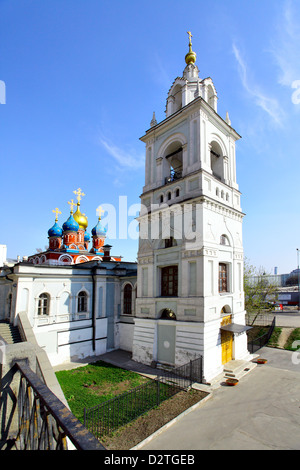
column 259, row 291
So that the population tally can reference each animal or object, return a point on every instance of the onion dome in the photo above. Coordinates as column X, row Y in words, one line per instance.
column 99, row 230
column 190, row 57
column 80, row 218
column 55, row 231
column 87, row 237
column 70, row 225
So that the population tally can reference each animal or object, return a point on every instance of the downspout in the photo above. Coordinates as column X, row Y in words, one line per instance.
column 94, row 308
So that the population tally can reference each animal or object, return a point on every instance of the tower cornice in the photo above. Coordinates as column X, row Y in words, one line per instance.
column 198, row 102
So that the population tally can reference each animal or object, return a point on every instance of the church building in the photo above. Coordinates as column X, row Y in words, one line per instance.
column 184, row 297
column 79, row 301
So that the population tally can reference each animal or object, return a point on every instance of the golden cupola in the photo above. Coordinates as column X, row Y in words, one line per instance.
column 190, row 57
column 80, row 218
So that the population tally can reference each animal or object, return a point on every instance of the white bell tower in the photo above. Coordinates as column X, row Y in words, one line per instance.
column 190, row 258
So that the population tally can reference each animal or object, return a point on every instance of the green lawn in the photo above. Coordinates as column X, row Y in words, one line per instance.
column 92, row 384
column 295, row 336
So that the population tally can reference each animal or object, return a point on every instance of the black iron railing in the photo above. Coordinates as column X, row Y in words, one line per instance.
column 183, row 376
column 44, row 422
column 108, row 416
column 257, row 343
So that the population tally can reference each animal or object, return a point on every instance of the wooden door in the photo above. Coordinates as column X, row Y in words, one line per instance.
column 226, row 341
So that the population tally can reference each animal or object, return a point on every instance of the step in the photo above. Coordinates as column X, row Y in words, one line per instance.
column 10, row 333
column 237, row 369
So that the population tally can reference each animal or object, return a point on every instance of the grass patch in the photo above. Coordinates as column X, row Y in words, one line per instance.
column 294, row 336
column 95, row 383
column 273, row 341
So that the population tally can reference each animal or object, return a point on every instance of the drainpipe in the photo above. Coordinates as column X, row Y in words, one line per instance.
column 94, row 308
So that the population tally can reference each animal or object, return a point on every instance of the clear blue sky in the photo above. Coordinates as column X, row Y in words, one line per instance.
column 83, row 78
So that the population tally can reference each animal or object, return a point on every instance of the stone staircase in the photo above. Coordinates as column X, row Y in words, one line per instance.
column 9, row 332
column 236, row 369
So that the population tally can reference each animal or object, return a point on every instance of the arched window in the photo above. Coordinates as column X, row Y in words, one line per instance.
column 169, row 242
column 224, row 240
column 82, row 302
column 44, row 304
column 127, row 300
column 177, row 192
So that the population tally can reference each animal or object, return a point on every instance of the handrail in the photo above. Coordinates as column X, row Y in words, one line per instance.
column 44, row 419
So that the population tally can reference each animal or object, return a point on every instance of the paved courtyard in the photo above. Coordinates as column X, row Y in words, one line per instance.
column 262, row 412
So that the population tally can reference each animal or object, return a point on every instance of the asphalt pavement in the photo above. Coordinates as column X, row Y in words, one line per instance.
column 288, row 319
column 261, row 413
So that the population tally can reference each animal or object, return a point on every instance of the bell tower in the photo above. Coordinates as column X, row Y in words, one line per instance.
column 190, row 258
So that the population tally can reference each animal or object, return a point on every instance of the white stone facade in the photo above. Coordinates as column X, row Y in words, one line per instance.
column 191, row 198
column 66, row 328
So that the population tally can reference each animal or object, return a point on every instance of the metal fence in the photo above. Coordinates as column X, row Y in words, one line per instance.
column 44, row 423
column 183, row 376
column 257, row 343
column 108, row 416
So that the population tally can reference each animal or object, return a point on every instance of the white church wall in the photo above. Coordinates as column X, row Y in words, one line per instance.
column 126, row 331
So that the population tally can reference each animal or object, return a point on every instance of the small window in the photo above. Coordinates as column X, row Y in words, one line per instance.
column 161, row 198
column 223, row 277
column 43, row 304
column 169, row 242
column 127, row 300
column 82, row 302
column 169, row 196
column 177, row 192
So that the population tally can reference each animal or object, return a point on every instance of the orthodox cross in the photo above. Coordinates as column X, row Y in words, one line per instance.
column 72, row 203
column 190, row 36
column 56, row 212
column 79, row 194
column 100, row 211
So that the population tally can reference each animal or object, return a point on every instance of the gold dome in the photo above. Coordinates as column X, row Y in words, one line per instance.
column 80, row 218
column 190, row 57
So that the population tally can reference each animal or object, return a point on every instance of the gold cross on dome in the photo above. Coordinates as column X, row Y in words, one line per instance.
column 56, row 212
column 72, row 203
column 79, row 194
column 100, row 211
column 190, row 36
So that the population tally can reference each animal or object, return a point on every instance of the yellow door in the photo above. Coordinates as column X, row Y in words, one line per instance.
column 226, row 341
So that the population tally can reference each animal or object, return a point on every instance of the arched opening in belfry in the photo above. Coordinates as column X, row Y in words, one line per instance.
column 174, row 163
column 216, row 160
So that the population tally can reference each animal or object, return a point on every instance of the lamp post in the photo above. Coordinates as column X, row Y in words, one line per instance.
column 298, row 278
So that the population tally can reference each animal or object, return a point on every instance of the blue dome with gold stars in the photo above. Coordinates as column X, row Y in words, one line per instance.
column 55, row 231
column 99, row 230
column 71, row 225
